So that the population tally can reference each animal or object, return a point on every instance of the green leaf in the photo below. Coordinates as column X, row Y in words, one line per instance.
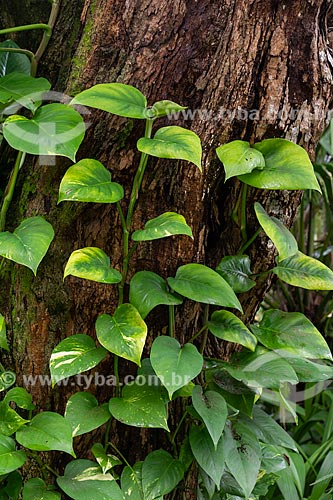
column 323, row 478
column 308, row 371
column 84, row 480
column 210, row 458
column 160, row 474
column 291, row 333
column 89, row 181
column 282, row 238
column 23, row 90
column 238, row 395
column 10, row 421
column 242, row 456
column 124, row 333
column 131, row 482
column 235, row 269
column 74, row 355
column 305, row 272
column 29, row 242
column 3, row 338
column 47, row 431
column 13, row 486
column 141, row 405
column 93, row 264
column 10, row 459
column 212, row 408
column 287, row 166
column 84, row 414
column 105, row 460
column 167, row 224
column 163, row 108
column 148, row 290
column 239, row 158
column 173, row 142
column 13, row 61
column 7, row 379
column 21, row 397
column 36, row 489
column 202, row 284
column 55, row 129
column 117, row 98
column 174, row 365
column 225, row 325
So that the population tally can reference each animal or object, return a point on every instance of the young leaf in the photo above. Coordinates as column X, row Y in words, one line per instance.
column 47, row 431
column 282, row 238
column 239, row 158
column 36, row 489
column 89, row 181
column 84, row 414
column 117, row 98
column 167, row 224
column 104, row 460
column 225, row 325
column 91, row 263
column 3, row 338
column 21, row 397
column 29, row 242
column 84, row 480
column 73, row 355
column 10, row 421
column 175, row 366
column 11, row 62
column 210, row 458
column 236, row 270
column 291, row 333
column 202, row 284
column 160, row 474
column 23, row 90
column 148, row 290
column 164, row 108
column 10, row 459
column 124, row 333
column 212, row 408
column 141, row 405
column 304, row 271
column 287, row 166
column 173, row 142
column 55, row 129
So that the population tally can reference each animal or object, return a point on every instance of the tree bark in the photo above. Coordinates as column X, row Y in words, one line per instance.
column 246, row 69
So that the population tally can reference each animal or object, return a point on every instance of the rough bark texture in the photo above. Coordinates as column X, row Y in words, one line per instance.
column 247, row 70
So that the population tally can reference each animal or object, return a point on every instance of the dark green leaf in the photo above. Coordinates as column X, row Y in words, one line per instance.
column 13, row 61
column 167, row 224
column 84, row 414
column 160, row 474
column 91, row 263
column 225, row 325
column 3, row 338
column 210, row 458
column 10, row 459
column 308, row 371
column 20, row 397
column 36, row 489
column 105, row 460
column 239, row 158
column 212, row 408
column 235, row 269
column 7, row 379
column 131, row 482
column 10, row 421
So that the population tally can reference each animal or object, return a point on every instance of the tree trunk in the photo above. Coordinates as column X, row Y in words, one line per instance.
column 246, row 69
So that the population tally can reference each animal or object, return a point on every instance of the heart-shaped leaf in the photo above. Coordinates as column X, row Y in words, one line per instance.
column 10, row 459
column 148, row 290
column 10, row 421
column 236, row 270
column 105, row 460
column 287, row 166
column 210, row 458
column 202, row 284
column 36, row 489
column 74, row 355
column 291, row 332
column 225, row 325
column 22, row 89
column 167, row 224
column 164, row 108
column 304, row 271
column 141, row 405
column 84, row 414
column 239, row 158
column 11, row 62
column 117, row 98
column 174, row 365
column 47, row 431
column 160, row 474
column 91, row 263
column 212, row 408
column 29, row 242
column 84, row 480
column 21, row 397
column 55, row 129
column 173, row 142
column 89, row 181
column 282, row 238
column 124, row 333
column 3, row 338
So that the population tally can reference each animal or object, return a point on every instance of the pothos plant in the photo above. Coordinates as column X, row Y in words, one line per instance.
column 238, row 449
